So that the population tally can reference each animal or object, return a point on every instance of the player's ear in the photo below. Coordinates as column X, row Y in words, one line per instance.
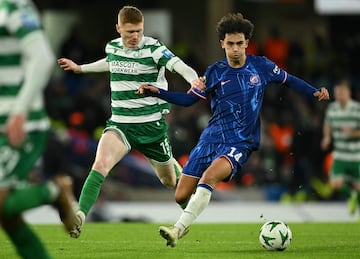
column 246, row 43
column 118, row 28
column 222, row 44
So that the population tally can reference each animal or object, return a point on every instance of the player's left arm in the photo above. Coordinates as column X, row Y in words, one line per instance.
column 301, row 86
column 164, row 57
column 189, row 74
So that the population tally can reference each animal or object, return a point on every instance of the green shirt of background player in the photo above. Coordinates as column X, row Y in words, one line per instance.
column 136, row 121
column 26, row 62
column 342, row 126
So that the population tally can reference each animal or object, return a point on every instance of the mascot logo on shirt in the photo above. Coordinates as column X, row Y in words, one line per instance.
column 255, row 80
column 123, row 67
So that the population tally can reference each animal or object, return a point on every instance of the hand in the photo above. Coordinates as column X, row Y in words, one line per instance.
column 322, row 94
column 15, row 129
column 151, row 88
column 199, row 83
column 68, row 64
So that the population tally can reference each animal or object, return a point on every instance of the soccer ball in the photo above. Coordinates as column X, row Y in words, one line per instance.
column 275, row 235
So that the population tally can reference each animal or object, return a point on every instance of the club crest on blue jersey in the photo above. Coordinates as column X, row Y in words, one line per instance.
column 276, row 70
column 167, row 53
column 255, row 80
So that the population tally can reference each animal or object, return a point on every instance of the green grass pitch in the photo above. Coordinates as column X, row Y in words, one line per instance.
column 141, row 240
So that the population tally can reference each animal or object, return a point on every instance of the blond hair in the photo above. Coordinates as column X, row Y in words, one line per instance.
column 130, row 14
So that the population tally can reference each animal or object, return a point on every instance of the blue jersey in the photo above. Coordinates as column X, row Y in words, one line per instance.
column 236, row 96
column 236, row 99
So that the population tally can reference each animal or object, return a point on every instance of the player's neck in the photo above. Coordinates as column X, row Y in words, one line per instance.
column 237, row 63
column 343, row 104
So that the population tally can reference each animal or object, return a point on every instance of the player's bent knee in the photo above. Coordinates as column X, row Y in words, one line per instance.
column 182, row 198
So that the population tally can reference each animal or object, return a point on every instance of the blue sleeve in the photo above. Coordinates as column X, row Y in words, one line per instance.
column 300, row 85
column 178, row 98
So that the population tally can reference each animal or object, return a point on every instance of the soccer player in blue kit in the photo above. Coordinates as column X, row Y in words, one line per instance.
column 236, row 87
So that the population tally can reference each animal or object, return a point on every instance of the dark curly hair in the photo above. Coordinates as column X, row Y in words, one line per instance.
column 234, row 23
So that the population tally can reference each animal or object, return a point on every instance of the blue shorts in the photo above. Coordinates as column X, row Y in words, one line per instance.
column 205, row 153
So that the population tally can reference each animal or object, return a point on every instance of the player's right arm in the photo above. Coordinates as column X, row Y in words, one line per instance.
column 97, row 66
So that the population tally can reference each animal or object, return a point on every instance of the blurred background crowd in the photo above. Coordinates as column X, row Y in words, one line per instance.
column 301, row 36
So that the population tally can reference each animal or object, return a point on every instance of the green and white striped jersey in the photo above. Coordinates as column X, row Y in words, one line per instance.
column 345, row 148
column 129, row 68
column 18, row 19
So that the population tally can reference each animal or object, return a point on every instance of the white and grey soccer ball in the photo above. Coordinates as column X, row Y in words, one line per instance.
column 275, row 235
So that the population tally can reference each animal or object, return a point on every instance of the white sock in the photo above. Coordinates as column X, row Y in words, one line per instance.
column 196, row 205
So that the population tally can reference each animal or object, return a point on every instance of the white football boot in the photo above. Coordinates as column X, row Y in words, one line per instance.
column 77, row 224
column 172, row 234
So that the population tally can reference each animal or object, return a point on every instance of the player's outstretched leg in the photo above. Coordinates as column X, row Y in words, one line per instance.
column 172, row 234
column 65, row 201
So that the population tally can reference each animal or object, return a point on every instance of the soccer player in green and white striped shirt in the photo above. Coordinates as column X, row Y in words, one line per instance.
column 342, row 126
column 26, row 62
column 136, row 120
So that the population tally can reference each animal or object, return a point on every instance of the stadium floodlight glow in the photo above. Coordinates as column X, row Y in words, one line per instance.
column 337, row 7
